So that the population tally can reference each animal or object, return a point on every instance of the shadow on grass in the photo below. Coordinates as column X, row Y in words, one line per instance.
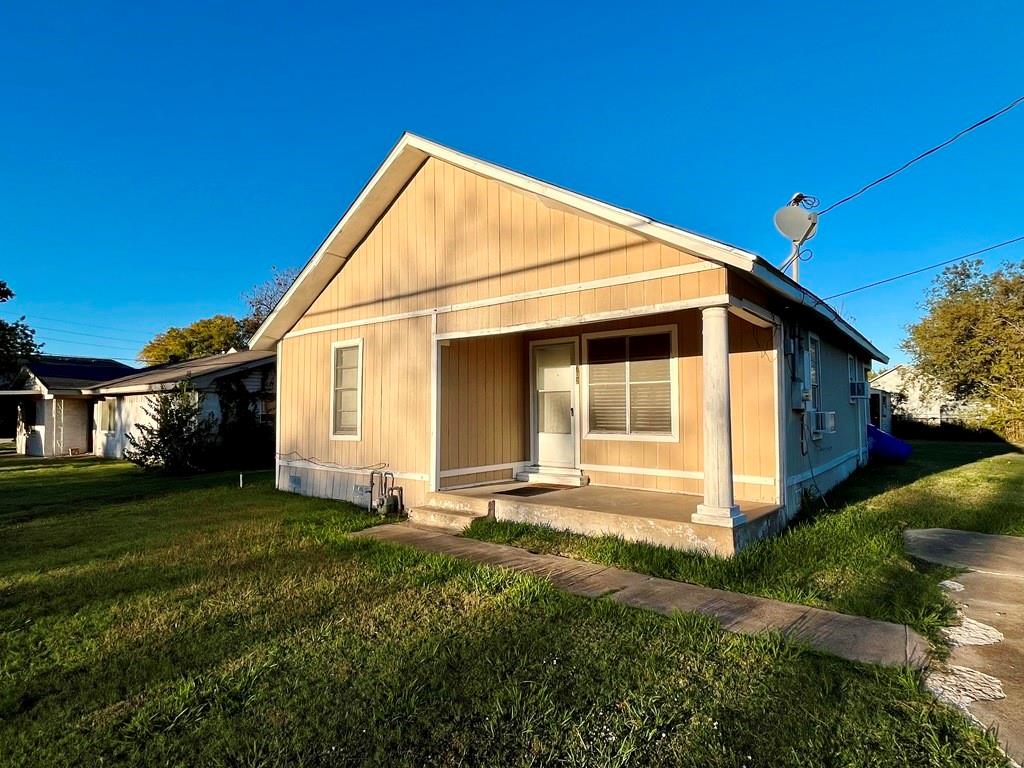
column 368, row 653
column 85, row 485
column 928, row 457
column 849, row 558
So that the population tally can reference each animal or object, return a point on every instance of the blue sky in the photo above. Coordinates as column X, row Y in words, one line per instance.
column 157, row 159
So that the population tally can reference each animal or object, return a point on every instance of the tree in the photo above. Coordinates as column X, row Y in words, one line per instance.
column 17, row 342
column 264, row 297
column 970, row 343
column 179, row 439
column 209, row 336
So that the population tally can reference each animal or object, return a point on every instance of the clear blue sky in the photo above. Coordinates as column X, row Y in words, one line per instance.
column 157, row 159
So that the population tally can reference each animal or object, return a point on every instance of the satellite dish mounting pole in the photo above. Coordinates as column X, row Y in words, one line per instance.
column 798, row 225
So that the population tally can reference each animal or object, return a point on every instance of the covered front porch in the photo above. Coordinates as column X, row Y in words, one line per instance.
column 661, row 428
column 653, row 517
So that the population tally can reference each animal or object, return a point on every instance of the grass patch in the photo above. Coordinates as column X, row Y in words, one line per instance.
column 149, row 621
column 849, row 560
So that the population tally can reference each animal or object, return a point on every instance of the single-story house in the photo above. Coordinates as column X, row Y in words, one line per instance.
column 53, row 417
column 505, row 346
column 121, row 404
column 911, row 399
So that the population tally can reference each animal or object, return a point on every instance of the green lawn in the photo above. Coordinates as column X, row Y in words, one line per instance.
column 146, row 621
column 850, row 559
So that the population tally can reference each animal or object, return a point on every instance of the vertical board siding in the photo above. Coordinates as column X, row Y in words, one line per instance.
column 452, row 236
column 752, row 379
column 484, row 412
column 395, row 399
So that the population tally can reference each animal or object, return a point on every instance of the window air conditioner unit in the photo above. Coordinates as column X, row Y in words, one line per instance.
column 824, row 422
column 858, row 390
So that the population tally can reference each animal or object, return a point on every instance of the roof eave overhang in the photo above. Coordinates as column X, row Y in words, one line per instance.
column 409, row 155
column 772, row 278
column 401, row 164
column 201, row 380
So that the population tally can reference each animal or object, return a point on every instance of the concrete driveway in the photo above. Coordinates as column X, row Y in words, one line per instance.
column 985, row 670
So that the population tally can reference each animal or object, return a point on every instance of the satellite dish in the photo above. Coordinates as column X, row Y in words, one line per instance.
column 796, row 224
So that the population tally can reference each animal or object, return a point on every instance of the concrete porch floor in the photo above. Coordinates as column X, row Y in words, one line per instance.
column 655, row 517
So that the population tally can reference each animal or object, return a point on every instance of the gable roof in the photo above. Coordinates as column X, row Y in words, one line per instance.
column 203, row 370
column 58, row 372
column 406, row 159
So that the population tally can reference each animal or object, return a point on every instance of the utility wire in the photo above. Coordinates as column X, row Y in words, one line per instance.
column 65, row 321
column 925, row 269
column 925, row 154
column 47, row 338
column 35, row 327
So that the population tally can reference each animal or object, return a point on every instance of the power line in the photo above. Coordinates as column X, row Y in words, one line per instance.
column 49, row 338
column 925, row 269
column 83, row 333
column 925, row 154
column 62, row 320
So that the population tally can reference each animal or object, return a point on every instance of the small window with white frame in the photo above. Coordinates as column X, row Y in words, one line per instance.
column 108, row 415
column 858, row 379
column 814, row 370
column 346, row 390
column 630, row 385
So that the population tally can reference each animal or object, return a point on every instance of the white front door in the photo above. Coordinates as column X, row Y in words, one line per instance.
column 554, row 404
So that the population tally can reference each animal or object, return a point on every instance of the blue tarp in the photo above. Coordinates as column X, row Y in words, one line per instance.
column 885, row 447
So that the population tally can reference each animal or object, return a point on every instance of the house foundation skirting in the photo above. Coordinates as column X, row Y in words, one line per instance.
column 343, row 484
column 822, row 479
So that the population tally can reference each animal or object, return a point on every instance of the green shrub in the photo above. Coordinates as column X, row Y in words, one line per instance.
column 179, row 439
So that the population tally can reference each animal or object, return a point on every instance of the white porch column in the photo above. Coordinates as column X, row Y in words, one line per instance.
column 719, row 507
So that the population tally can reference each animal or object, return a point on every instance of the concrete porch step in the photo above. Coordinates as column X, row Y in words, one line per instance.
column 553, row 476
column 441, row 518
column 478, row 505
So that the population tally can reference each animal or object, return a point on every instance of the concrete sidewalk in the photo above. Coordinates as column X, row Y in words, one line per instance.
column 849, row 637
column 985, row 670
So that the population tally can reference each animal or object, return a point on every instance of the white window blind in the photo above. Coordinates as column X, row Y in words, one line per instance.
column 347, row 380
column 630, row 384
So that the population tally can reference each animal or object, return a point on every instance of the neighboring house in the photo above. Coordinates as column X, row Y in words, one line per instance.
column 121, row 404
column 53, row 416
column 913, row 401
column 466, row 325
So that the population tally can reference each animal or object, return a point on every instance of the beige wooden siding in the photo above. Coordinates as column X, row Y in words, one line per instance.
column 466, row 405
column 453, row 237
column 395, row 416
column 484, row 412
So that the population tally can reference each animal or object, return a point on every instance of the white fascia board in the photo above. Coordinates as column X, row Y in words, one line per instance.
column 770, row 277
column 380, row 191
column 401, row 164
column 694, row 244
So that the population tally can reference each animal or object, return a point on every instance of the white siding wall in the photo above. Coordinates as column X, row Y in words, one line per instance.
column 70, row 418
column 131, row 411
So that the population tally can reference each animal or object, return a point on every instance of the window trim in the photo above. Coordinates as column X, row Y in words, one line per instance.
column 358, row 344
column 857, row 373
column 102, row 407
column 812, row 340
column 673, row 331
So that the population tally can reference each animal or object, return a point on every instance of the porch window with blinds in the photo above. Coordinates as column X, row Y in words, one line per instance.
column 346, row 395
column 629, row 388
